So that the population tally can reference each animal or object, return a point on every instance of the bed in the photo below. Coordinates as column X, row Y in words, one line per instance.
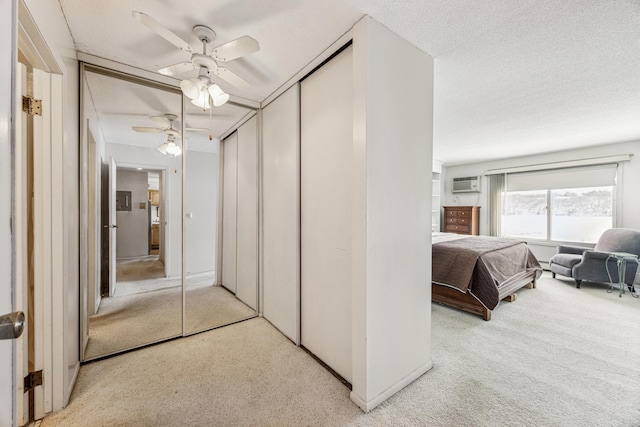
column 475, row 273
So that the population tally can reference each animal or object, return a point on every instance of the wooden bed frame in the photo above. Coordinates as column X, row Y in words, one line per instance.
column 469, row 303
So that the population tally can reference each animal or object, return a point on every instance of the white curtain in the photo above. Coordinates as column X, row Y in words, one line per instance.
column 496, row 192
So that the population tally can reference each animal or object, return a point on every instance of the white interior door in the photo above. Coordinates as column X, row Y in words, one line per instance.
column 113, row 224
column 8, row 377
column 326, row 125
column 21, row 243
column 8, row 374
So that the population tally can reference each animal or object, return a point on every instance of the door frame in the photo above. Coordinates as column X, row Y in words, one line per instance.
column 48, row 241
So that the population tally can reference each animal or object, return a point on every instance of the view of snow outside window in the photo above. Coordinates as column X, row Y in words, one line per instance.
column 578, row 215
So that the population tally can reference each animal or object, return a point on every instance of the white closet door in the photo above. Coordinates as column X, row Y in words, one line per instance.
column 281, row 213
column 247, row 214
column 229, row 219
column 326, row 222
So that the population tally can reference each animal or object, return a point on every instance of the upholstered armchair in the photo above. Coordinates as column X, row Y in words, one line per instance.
column 595, row 265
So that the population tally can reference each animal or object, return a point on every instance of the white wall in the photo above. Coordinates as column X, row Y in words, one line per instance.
column 201, row 188
column 133, row 225
column 393, row 131
column 627, row 203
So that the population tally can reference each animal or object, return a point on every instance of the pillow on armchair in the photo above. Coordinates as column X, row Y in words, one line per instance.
column 594, row 264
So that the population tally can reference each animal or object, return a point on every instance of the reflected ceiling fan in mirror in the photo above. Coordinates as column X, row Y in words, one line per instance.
column 165, row 125
column 202, row 90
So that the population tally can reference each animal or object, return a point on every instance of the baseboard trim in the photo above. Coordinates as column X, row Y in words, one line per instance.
column 367, row 406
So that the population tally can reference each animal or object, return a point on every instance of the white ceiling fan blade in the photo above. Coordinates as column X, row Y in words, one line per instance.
column 146, row 129
column 197, row 129
column 235, row 49
column 161, row 121
column 162, row 31
column 177, row 69
column 231, row 77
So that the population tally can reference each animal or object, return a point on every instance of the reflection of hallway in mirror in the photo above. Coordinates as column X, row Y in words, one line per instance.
column 145, row 311
column 141, row 274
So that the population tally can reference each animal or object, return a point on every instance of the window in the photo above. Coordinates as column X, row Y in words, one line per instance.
column 564, row 205
column 581, row 214
column 525, row 214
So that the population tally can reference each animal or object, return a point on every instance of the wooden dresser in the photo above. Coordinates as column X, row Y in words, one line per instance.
column 462, row 219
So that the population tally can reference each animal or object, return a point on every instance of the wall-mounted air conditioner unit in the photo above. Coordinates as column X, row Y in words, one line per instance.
column 467, row 184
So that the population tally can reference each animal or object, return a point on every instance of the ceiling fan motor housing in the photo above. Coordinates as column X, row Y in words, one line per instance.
column 203, row 61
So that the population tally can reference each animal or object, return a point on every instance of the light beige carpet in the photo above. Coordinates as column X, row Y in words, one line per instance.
column 558, row 356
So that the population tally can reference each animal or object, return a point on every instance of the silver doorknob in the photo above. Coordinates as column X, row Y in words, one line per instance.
column 11, row 325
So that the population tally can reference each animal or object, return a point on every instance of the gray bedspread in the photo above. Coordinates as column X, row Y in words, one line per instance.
column 481, row 264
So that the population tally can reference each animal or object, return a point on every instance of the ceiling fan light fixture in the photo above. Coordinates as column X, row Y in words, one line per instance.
column 163, row 148
column 192, row 88
column 202, row 100
column 218, row 96
column 173, row 149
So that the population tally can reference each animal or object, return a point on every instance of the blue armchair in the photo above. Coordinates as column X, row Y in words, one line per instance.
column 596, row 265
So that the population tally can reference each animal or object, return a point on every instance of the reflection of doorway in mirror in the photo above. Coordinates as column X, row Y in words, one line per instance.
column 139, row 267
column 154, row 212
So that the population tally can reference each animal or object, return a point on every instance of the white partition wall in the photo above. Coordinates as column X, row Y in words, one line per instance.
column 326, row 124
column 392, row 152
column 281, row 212
column 229, row 194
column 247, row 214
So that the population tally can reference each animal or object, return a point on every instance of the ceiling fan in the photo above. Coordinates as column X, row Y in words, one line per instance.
column 201, row 90
column 165, row 125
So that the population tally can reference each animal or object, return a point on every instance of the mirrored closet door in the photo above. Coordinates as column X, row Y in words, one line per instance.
column 153, row 196
column 133, row 199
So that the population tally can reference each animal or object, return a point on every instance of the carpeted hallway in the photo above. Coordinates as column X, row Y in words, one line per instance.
column 558, row 356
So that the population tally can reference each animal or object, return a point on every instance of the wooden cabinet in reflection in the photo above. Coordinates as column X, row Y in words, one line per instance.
column 155, row 236
column 154, row 196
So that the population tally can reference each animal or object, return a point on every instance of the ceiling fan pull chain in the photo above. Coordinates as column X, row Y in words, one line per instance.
column 210, row 124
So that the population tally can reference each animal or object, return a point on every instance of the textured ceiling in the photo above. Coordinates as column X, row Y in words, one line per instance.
column 511, row 77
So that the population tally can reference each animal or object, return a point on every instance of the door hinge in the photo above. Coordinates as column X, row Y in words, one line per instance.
column 32, row 106
column 32, row 380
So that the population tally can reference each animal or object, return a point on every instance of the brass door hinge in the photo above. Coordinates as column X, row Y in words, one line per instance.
column 32, row 380
column 32, row 106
